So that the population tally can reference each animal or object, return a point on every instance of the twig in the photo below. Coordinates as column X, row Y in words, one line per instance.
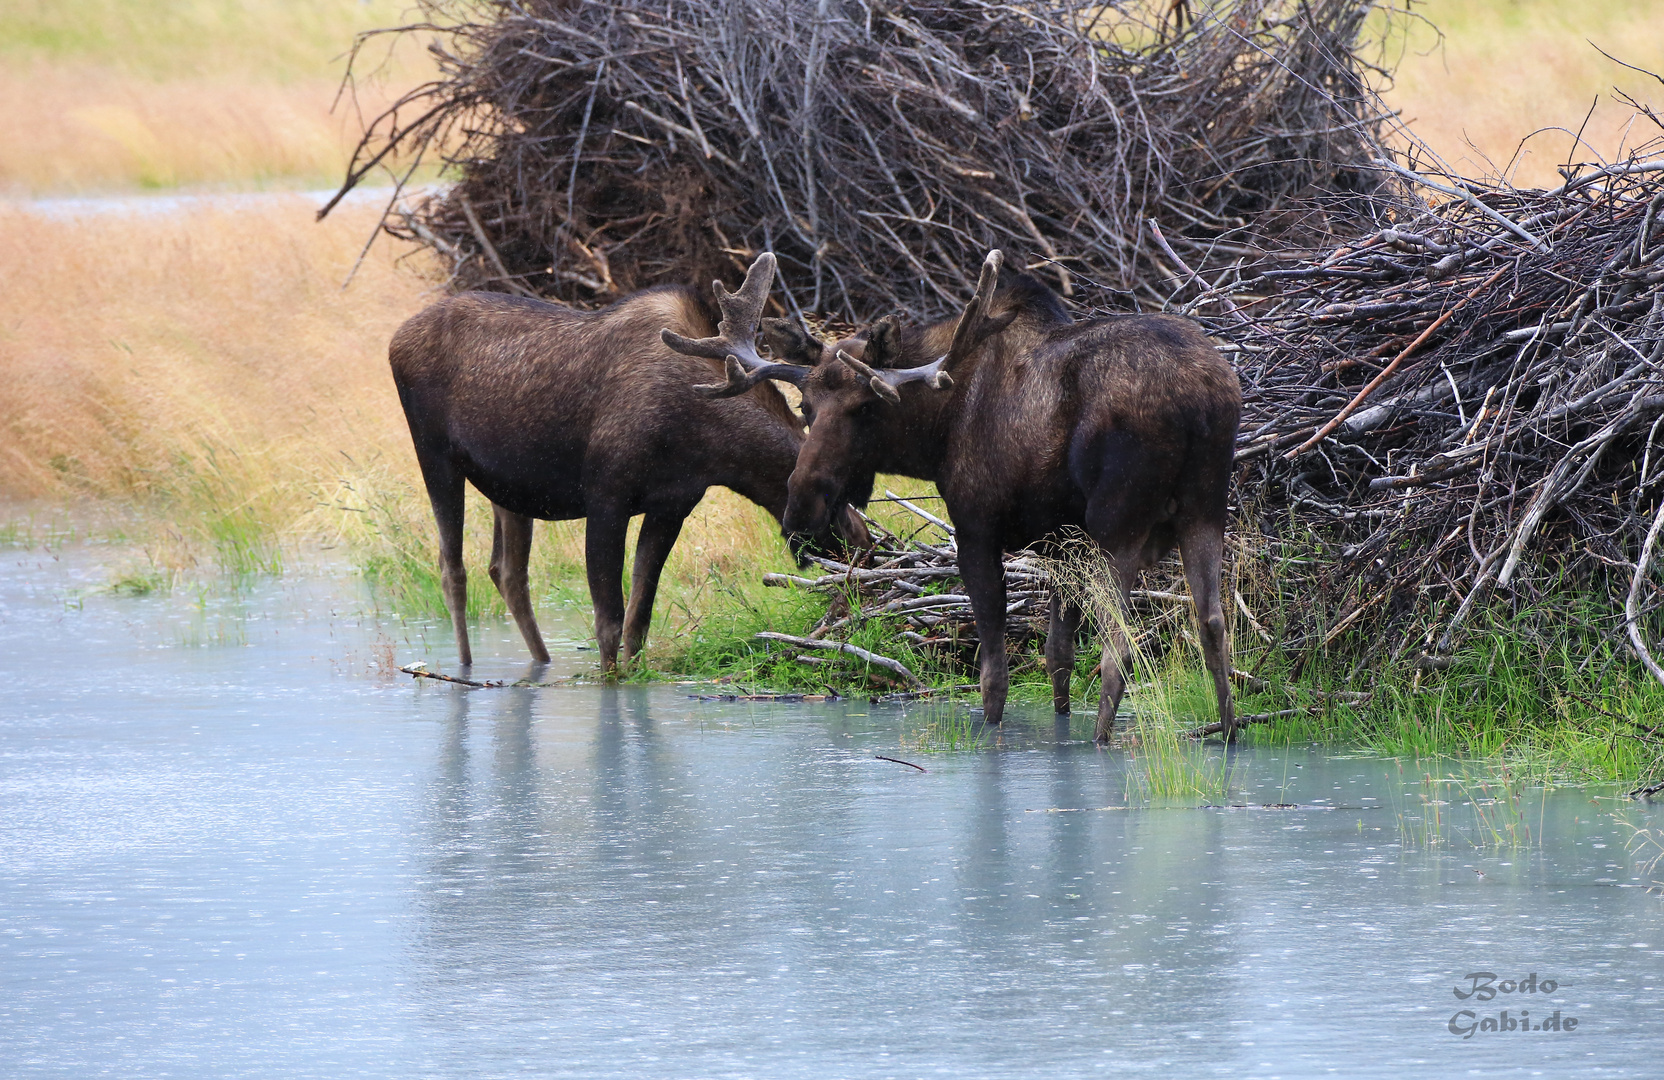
column 844, row 647
column 490, row 252
column 1369, row 388
column 422, row 673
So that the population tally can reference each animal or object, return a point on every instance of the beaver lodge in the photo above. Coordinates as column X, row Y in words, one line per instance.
column 1453, row 392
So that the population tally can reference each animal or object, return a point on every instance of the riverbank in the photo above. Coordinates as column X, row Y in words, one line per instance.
column 203, row 380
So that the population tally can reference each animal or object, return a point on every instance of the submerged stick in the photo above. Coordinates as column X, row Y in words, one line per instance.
column 422, row 673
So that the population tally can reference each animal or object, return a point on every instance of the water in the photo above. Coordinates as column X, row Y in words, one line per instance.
column 232, row 845
column 128, row 205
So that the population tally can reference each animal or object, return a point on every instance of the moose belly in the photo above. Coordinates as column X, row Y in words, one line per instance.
column 548, row 496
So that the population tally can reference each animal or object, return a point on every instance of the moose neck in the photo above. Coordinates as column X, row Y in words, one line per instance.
column 916, row 433
column 913, row 438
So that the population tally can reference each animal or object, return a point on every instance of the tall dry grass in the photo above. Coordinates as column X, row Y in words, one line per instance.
column 74, row 128
column 1505, row 69
column 114, row 94
column 205, row 364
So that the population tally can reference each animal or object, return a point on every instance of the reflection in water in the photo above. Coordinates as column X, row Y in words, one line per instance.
column 207, row 868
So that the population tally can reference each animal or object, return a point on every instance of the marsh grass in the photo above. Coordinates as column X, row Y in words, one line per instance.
column 1645, row 847
column 1168, row 692
column 1466, row 803
column 949, row 729
column 1551, row 699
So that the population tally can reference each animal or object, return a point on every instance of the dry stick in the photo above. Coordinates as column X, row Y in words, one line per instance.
column 1369, row 388
column 686, row 133
column 1632, row 614
column 420, row 674
column 490, row 252
column 932, row 518
column 1469, row 198
column 1225, row 301
column 1218, row 727
column 844, row 647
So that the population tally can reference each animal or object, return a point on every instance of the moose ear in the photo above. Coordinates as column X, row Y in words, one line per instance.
column 883, row 342
column 790, row 341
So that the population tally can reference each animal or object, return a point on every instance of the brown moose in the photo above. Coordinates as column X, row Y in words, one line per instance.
column 1028, row 422
column 556, row 413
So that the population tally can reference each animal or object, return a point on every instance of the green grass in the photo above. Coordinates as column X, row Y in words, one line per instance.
column 1542, row 693
column 141, row 581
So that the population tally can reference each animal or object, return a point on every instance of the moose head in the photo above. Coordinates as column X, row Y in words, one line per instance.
column 851, row 390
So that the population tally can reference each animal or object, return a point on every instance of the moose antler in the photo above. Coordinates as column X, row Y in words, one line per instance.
column 735, row 343
column 973, row 329
column 975, row 326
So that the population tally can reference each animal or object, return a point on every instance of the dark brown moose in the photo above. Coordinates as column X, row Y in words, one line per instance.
column 556, row 413
column 1029, row 423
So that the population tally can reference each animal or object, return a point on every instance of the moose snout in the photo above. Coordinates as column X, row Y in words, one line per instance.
column 809, row 506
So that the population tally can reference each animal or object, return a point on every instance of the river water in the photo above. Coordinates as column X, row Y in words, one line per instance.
column 233, row 844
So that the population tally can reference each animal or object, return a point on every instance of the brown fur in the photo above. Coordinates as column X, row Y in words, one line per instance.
column 555, row 413
column 1123, row 427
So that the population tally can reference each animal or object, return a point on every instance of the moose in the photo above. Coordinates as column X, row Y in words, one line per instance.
column 554, row 413
column 1029, row 422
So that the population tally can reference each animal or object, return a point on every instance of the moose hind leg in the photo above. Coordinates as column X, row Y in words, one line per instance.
column 1060, row 650
column 1116, row 666
column 511, row 551
column 658, row 536
column 1203, row 546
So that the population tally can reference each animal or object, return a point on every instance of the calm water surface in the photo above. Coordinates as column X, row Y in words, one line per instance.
column 231, row 845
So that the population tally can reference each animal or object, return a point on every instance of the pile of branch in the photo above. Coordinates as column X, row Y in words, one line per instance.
column 917, row 585
column 1469, row 400
column 878, row 150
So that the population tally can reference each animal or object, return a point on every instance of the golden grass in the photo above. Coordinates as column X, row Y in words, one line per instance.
column 129, row 337
column 1508, row 68
column 205, row 364
column 69, row 128
column 107, row 95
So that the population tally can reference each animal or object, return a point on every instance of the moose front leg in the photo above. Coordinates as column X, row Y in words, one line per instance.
column 983, row 568
column 604, row 564
column 1060, row 650
column 658, row 536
